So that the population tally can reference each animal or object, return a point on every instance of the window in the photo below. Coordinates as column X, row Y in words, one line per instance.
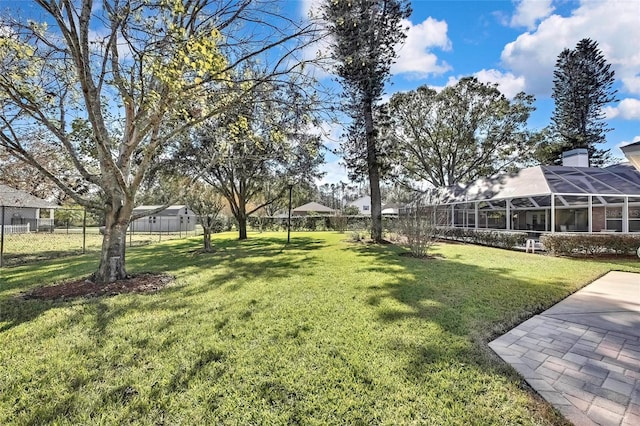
column 634, row 214
column 614, row 218
column 365, row 208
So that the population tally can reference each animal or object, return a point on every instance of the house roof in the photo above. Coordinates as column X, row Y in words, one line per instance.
column 544, row 180
column 313, row 207
column 169, row 211
column 366, row 198
column 632, row 152
column 12, row 197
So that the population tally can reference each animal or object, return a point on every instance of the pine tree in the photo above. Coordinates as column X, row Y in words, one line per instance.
column 365, row 34
column 582, row 86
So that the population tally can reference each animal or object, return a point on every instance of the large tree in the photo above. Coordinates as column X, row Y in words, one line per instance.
column 582, row 87
column 465, row 131
column 257, row 147
column 112, row 84
column 365, row 34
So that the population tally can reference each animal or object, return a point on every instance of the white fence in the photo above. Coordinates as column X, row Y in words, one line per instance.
column 17, row 229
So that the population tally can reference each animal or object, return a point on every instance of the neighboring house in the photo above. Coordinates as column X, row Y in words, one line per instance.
column 363, row 204
column 20, row 211
column 632, row 152
column 313, row 208
column 567, row 198
column 172, row 219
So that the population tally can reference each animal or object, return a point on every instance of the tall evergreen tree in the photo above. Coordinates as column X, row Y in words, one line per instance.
column 365, row 34
column 582, row 86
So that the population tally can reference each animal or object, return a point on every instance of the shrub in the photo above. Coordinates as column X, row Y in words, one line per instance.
column 351, row 211
column 502, row 239
column 419, row 232
column 590, row 244
column 355, row 236
column 338, row 223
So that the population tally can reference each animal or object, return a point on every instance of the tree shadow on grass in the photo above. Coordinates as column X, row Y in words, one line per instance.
column 238, row 262
column 234, row 259
column 465, row 302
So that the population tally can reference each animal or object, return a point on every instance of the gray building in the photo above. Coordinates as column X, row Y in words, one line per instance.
column 20, row 211
column 176, row 218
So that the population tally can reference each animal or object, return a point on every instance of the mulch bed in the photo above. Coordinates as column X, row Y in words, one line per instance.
column 142, row 283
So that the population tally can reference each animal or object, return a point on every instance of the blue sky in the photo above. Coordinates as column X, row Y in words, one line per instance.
column 512, row 43
column 516, row 44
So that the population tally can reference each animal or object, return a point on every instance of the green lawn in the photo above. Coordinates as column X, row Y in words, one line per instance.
column 322, row 331
column 36, row 246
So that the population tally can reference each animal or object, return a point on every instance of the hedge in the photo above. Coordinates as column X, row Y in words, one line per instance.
column 502, row 239
column 316, row 223
column 591, row 244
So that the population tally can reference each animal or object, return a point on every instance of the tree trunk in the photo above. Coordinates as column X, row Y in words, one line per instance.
column 112, row 256
column 242, row 226
column 207, row 238
column 374, row 173
column 242, row 218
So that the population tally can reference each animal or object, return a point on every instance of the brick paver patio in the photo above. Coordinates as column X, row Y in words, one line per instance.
column 583, row 354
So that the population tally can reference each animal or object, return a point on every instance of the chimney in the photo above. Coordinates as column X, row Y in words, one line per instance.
column 632, row 152
column 578, row 157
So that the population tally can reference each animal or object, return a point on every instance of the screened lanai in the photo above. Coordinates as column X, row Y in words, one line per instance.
column 547, row 199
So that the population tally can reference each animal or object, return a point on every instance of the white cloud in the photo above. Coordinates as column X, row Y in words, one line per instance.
column 628, row 109
column 613, row 24
column 330, row 134
column 529, row 12
column 415, row 56
column 335, row 172
column 624, row 143
column 632, row 83
column 509, row 84
column 309, row 8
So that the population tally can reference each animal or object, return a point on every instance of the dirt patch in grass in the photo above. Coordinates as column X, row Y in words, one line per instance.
column 425, row 257
column 142, row 283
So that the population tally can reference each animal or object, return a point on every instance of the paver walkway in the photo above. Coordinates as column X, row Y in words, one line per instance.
column 583, row 354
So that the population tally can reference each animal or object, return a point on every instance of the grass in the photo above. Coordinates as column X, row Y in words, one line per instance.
column 321, row 331
column 24, row 248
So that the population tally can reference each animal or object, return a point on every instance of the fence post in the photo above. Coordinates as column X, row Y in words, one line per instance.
column 84, row 230
column 1, row 236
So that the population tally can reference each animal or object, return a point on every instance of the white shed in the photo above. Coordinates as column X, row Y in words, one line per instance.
column 172, row 219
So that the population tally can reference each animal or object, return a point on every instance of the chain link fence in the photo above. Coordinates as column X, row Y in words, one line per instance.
column 29, row 234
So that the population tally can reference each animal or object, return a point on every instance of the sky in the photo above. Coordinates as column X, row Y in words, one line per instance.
column 515, row 44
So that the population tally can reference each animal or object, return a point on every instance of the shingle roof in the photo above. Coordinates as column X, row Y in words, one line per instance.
column 12, row 197
column 313, row 207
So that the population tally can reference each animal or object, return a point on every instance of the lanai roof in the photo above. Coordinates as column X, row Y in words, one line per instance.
column 618, row 180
